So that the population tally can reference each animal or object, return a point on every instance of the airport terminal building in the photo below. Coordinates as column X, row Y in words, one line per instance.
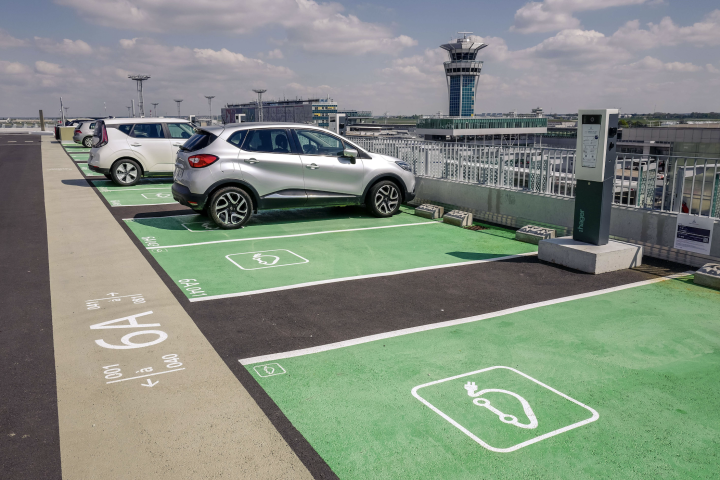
column 317, row 111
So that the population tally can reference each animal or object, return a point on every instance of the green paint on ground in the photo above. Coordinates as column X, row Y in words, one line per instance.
column 246, row 260
column 646, row 359
column 86, row 171
column 147, row 192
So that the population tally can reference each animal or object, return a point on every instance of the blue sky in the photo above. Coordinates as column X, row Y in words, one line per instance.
column 563, row 55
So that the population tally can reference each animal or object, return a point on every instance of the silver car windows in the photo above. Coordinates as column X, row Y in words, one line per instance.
column 269, row 140
column 313, row 142
column 237, row 138
column 180, row 130
column 125, row 129
column 148, row 130
column 92, row 126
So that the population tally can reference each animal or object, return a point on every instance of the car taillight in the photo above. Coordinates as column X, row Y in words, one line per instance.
column 78, row 131
column 202, row 160
column 103, row 137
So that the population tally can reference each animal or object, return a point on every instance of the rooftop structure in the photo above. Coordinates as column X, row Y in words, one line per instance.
column 462, row 72
column 313, row 111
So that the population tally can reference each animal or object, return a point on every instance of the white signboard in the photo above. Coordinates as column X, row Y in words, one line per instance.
column 590, row 139
column 693, row 233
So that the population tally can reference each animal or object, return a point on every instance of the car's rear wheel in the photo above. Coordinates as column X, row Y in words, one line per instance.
column 230, row 208
column 87, row 142
column 108, row 176
column 125, row 172
column 384, row 199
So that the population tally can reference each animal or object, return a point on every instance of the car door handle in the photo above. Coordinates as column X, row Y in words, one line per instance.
column 313, row 166
column 251, row 160
column 136, row 145
column 177, row 144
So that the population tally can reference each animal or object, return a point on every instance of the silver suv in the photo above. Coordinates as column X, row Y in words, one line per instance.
column 229, row 172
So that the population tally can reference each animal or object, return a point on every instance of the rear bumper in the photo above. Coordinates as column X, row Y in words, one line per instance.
column 184, row 196
column 93, row 168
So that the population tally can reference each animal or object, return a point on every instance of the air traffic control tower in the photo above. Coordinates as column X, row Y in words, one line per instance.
column 462, row 72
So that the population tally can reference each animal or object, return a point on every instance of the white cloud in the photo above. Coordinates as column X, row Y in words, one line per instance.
column 656, row 65
column 14, row 68
column 8, row 41
column 275, row 54
column 554, row 15
column 66, row 47
column 667, row 33
column 313, row 26
column 711, row 68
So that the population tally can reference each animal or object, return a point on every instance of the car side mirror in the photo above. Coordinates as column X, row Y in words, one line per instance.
column 350, row 153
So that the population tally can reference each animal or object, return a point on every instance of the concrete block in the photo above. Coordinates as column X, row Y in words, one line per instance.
column 533, row 234
column 709, row 276
column 430, row 211
column 66, row 133
column 590, row 258
column 458, row 218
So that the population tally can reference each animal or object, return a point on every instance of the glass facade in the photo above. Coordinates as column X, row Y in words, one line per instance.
column 455, row 96
column 477, row 123
column 468, row 97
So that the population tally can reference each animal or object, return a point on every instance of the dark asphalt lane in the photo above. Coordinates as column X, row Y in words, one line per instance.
column 29, row 434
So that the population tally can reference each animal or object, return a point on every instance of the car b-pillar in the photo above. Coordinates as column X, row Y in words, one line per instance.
column 595, row 175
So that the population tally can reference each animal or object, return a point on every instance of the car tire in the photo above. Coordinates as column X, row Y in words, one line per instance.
column 87, row 142
column 230, row 208
column 384, row 199
column 126, row 172
column 108, row 176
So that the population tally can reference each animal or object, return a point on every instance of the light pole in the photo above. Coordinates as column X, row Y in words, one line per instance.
column 155, row 109
column 129, row 111
column 260, row 91
column 140, row 79
column 210, row 97
column 178, row 101
column 105, row 107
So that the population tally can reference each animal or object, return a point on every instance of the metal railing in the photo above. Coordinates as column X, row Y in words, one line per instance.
column 655, row 182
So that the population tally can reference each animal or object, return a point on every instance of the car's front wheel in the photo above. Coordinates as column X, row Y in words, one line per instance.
column 230, row 208
column 125, row 172
column 384, row 199
column 87, row 142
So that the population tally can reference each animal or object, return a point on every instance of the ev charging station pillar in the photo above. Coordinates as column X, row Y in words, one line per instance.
column 590, row 249
column 595, row 175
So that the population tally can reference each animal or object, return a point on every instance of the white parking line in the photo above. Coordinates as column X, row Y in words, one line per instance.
column 295, row 235
column 449, row 323
column 358, row 277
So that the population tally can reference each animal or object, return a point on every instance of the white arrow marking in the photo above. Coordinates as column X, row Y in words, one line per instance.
column 150, row 383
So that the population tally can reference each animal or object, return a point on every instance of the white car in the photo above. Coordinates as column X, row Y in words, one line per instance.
column 126, row 149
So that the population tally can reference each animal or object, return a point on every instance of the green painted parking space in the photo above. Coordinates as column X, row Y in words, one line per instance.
column 83, row 166
column 80, row 157
column 293, row 248
column 617, row 385
column 147, row 192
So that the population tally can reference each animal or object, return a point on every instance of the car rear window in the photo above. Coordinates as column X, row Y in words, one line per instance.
column 199, row 141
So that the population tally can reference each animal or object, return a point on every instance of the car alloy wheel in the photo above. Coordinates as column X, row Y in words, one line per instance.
column 387, row 199
column 87, row 142
column 126, row 173
column 231, row 208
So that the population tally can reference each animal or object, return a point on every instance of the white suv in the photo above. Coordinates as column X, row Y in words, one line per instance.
column 125, row 149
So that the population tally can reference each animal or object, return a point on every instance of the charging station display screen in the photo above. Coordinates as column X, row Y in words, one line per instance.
column 590, row 139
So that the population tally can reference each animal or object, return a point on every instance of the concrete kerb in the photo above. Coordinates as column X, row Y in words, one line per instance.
column 201, row 422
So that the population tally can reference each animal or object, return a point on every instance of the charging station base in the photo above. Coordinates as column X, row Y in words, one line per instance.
column 590, row 258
